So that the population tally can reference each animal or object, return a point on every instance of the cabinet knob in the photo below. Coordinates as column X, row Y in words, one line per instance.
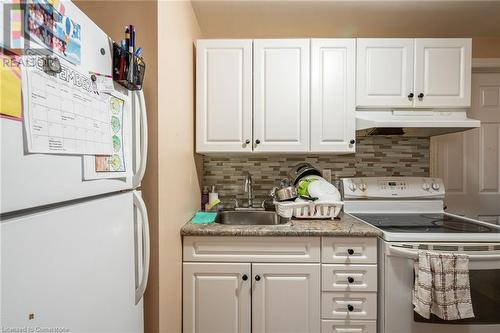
column 257, row 141
column 410, row 96
column 350, row 279
column 247, row 141
column 257, row 277
column 350, row 308
column 244, row 277
column 421, row 96
column 352, row 141
column 350, row 252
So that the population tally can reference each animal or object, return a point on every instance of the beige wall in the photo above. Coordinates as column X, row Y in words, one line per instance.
column 486, row 47
column 143, row 14
column 309, row 18
column 179, row 193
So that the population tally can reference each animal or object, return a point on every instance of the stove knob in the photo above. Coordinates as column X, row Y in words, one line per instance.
column 426, row 186
column 435, row 186
column 352, row 187
column 362, row 187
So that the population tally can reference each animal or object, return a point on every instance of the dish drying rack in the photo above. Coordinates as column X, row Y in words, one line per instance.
column 309, row 210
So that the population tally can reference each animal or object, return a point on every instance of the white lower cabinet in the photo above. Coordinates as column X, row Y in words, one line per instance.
column 233, row 297
column 279, row 284
column 349, row 285
column 349, row 277
column 348, row 326
column 217, row 297
column 356, row 305
column 285, row 298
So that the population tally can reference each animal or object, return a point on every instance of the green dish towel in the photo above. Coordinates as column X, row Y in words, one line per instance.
column 204, row 217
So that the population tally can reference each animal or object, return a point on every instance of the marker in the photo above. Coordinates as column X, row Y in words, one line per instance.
column 127, row 37
column 121, row 70
column 131, row 46
column 132, row 39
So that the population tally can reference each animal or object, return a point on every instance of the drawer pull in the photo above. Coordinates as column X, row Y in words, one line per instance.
column 350, row 308
column 350, row 252
column 350, row 279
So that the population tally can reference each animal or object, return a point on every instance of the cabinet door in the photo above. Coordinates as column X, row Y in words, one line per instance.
column 333, row 120
column 286, row 298
column 223, row 95
column 443, row 72
column 384, row 72
column 216, row 297
column 281, row 95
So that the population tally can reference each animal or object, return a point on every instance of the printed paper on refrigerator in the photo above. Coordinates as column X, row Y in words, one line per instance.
column 63, row 114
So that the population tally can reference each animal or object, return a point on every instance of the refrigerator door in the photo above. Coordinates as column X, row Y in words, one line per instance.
column 77, row 266
column 31, row 180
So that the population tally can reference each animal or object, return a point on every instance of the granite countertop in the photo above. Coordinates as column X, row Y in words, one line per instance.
column 346, row 225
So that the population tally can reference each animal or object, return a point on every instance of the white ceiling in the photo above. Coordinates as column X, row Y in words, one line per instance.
column 428, row 18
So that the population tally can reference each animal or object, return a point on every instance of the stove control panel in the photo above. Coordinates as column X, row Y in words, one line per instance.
column 393, row 187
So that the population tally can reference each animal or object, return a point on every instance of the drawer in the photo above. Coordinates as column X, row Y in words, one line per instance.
column 349, row 277
column 355, row 305
column 252, row 249
column 348, row 326
column 349, row 250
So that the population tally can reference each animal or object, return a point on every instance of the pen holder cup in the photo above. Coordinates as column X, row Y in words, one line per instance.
column 128, row 69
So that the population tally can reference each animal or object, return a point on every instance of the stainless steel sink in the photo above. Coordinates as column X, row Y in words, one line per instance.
column 252, row 217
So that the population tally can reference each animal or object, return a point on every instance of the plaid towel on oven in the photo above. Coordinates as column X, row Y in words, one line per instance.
column 442, row 286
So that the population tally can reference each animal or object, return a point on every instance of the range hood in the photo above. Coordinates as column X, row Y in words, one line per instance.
column 413, row 123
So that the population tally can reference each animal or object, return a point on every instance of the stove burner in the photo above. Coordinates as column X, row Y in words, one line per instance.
column 461, row 226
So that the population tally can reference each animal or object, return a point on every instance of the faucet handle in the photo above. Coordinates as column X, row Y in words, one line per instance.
column 236, row 204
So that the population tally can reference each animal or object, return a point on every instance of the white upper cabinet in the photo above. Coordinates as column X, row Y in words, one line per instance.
column 224, row 95
column 333, row 73
column 300, row 95
column 281, row 95
column 420, row 73
column 443, row 72
column 384, row 72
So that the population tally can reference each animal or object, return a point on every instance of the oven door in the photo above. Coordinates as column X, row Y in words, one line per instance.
column 397, row 278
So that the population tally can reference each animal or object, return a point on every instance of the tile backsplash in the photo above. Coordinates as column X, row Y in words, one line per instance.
column 375, row 156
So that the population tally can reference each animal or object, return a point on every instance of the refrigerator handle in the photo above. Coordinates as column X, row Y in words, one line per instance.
column 141, row 206
column 143, row 141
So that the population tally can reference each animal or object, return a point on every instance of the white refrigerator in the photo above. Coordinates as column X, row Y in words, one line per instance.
column 74, row 253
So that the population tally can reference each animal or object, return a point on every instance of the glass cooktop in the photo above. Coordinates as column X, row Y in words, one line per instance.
column 430, row 223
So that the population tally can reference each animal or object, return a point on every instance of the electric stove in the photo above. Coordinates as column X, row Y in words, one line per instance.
column 411, row 209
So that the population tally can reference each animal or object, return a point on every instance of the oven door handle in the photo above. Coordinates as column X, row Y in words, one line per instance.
column 395, row 251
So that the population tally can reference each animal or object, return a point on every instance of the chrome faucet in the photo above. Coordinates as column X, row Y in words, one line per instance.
column 248, row 187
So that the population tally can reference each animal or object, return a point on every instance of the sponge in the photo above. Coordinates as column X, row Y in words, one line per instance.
column 204, row 217
column 212, row 204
